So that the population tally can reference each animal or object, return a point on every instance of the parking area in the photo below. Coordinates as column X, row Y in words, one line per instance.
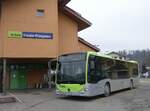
column 46, row 100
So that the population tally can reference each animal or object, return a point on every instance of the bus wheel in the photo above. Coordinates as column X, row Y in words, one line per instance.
column 107, row 90
column 131, row 84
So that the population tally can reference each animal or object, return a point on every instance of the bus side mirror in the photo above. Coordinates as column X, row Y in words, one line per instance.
column 53, row 66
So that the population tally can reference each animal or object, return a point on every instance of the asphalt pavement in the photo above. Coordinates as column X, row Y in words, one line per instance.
column 128, row 100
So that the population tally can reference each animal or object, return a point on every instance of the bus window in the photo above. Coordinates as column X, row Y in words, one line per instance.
column 123, row 74
column 91, row 69
column 135, row 71
column 108, row 68
column 72, row 69
column 96, row 70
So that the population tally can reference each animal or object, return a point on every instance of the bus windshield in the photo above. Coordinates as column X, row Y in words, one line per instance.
column 72, row 69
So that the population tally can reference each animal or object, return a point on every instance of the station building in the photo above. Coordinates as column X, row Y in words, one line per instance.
column 32, row 32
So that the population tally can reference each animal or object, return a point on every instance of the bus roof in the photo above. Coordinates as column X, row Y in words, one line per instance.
column 110, row 57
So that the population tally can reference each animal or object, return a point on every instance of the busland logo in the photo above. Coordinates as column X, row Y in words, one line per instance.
column 13, row 34
column 33, row 35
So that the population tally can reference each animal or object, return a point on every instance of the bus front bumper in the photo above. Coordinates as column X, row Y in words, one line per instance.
column 83, row 94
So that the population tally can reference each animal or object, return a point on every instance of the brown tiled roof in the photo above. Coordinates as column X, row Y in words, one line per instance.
column 88, row 44
column 82, row 22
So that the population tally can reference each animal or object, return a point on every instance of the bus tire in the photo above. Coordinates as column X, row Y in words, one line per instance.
column 107, row 90
column 131, row 85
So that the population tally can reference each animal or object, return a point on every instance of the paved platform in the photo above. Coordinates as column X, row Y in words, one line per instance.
column 15, row 95
column 8, row 98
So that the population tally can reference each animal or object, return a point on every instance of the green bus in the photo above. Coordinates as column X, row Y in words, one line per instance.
column 90, row 74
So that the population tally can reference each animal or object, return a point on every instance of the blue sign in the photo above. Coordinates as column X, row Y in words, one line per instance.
column 37, row 35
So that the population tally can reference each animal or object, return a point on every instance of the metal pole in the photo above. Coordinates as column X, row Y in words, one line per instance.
column 1, row 75
column 49, row 74
column 4, row 76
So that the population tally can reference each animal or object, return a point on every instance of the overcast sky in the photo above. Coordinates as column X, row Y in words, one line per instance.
column 117, row 24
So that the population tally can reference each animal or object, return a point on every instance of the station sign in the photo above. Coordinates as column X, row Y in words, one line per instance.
column 33, row 35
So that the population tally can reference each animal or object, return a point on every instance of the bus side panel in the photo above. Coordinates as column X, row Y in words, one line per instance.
column 97, row 88
column 117, row 84
column 136, row 81
column 126, row 83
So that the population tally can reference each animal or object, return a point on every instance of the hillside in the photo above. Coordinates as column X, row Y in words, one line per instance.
column 142, row 56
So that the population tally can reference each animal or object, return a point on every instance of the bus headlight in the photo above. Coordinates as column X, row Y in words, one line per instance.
column 86, row 89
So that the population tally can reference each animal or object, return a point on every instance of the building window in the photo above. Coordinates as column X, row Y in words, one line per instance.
column 40, row 12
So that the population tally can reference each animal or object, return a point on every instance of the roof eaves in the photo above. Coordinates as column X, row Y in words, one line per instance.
column 82, row 22
column 89, row 44
column 63, row 2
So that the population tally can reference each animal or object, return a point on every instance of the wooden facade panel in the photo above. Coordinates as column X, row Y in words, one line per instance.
column 68, row 39
column 84, row 47
column 20, row 15
column 1, row 39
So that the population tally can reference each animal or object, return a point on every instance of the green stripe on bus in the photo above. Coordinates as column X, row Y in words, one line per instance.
column 70, row 87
